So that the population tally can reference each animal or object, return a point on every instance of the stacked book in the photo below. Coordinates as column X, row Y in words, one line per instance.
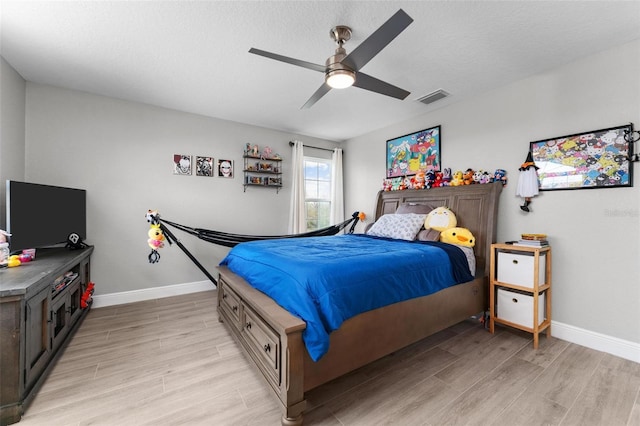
column 63, row 281
column 533, row 240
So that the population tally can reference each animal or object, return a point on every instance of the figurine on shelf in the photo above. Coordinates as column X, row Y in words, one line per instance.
column 254, row 151
column 267, row 152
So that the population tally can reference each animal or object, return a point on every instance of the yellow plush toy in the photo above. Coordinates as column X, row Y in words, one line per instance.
column 440, row 218
column 457, row 178
column 459, row 236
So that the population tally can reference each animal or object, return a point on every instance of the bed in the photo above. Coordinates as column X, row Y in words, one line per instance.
column 272, row 337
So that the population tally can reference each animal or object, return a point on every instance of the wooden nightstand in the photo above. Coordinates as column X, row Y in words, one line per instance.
column 520, row 288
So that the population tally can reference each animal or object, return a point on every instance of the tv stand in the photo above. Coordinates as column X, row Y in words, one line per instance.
column 39, row 311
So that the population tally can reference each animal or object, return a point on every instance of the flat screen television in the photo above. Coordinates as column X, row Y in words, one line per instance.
column 40, row 216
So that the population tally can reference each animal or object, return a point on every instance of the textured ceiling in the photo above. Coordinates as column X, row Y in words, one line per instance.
column 193, row 55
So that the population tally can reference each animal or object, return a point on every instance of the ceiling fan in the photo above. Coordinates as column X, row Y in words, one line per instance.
column 342, row 70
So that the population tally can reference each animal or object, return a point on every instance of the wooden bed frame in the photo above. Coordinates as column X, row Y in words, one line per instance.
column 272, row 337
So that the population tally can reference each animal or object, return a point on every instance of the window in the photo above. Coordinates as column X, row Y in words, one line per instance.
column 317, row 192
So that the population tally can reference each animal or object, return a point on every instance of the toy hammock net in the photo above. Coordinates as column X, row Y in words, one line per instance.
column 159, row 233
column 230, row 240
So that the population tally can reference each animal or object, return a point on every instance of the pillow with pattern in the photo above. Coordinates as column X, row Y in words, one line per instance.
column 398, row 226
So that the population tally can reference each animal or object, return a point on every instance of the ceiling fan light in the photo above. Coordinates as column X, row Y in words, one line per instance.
column 340, row 79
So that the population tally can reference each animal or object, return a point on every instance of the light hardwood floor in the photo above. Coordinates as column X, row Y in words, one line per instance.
column 170, row 362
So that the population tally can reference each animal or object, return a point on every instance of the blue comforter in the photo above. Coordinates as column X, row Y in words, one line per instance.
column 327, row 280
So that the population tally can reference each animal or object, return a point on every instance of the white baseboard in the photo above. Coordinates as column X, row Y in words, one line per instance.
column 100, row 301
column 600, row 342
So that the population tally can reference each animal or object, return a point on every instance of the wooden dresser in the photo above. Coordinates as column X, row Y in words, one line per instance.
column 40, row 308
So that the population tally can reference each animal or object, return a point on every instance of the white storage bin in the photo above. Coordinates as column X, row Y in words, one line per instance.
column 517, row 307
column 517, row 268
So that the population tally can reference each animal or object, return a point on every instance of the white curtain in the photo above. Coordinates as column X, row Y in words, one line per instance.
column 297, row 219
column 337, row 197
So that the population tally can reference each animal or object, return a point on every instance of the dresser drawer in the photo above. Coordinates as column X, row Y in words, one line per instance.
column 263, row 342
column 518, row 268
column 231, row 304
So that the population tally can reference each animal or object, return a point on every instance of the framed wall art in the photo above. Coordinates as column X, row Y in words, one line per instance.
column 204, row 166
column 225, row 168
column 408, row 154
column 594, row 159
column 181, row 164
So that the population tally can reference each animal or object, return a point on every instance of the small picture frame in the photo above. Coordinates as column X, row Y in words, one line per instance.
column 225, row 168
column 204, row 166
column 594, row 159
column 182, row 164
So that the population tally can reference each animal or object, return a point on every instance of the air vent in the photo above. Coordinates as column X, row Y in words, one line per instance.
column 433, row 96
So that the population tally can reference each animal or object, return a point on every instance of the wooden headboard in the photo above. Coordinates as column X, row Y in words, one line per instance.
column 475, row 207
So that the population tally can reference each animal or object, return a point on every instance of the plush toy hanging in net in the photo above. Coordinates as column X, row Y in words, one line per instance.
column 156, row 236
column 528, row 185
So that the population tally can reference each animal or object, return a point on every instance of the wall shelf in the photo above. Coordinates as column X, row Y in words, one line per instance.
column 262, row 172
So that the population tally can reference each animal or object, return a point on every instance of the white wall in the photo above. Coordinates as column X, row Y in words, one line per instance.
column 595, row 233
column 121, row 153
column 12, row 160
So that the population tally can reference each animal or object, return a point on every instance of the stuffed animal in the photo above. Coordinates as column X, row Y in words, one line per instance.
column 395, row 183
column 459, row 236
column 437, row 183
column 440, row 218
column 500, row 175
column 156, row 236
column 14, row 260
column 456, row 179
column 467, row 177
column 419, row 180
column 446, row 176
column 87, row 296
column 404, row 183
column 429, row 178
column 477, row 176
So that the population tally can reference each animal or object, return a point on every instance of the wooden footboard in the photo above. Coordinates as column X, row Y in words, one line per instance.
column 374, row 334
column 272, row 337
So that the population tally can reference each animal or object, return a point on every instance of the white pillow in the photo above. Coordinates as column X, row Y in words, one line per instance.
column 398, row 226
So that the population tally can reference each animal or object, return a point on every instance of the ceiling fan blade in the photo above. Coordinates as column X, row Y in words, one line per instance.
column 292, row 61
column 323, row 90
column 365, row 81
column 377, row 41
